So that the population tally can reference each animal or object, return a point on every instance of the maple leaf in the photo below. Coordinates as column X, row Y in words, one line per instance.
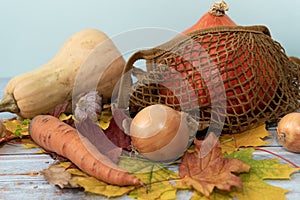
column 250, row 138
column 14, row 129
column 264, row 169
column 253, row 182
column 61, row 108
column 18, row 127
column 57, row 175
column 93, row 132
column 253, row 187
column 117, row 136
column 105, row 118
column 216, row 195
column 93, row 185
column 204, row 173
column 160, row 181
column 62, row 175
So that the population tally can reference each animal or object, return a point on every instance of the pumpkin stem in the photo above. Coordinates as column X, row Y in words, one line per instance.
column 218, row 8
column 8, row 104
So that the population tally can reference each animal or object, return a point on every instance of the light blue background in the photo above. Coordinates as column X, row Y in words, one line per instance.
column 32, row 31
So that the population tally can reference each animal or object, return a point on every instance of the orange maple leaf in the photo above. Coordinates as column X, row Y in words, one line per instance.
column 206, row 171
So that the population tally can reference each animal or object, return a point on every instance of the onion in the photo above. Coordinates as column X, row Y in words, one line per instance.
column 161, row 133
column 288, row 132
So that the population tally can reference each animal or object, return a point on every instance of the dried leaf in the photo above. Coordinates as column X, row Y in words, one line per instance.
column 91, row 184
column 62, row 175
column 90, row 130
column 88, row 105
column 253, row 187
column 253, row 182
column 216, row 195
column 61, row 108
column 105, row 118
column 117, row 136
column 7, row 136
column 57, row 175
column 14, row 129
column 204, row 173
column 72, row 169
column 65, row 117
column 163, row 183
column 30, row 146
column 250, row 138
column 18, row 127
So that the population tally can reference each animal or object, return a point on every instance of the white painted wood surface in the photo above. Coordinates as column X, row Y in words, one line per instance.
column 20, row 177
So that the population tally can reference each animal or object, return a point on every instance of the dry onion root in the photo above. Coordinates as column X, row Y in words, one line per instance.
column 288, row 132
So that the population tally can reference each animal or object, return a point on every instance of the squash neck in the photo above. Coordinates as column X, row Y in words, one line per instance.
column 8, row 104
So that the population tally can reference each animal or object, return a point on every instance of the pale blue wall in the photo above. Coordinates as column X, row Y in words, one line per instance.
column 33, row 30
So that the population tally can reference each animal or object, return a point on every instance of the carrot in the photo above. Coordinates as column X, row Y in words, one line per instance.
column 56, row 136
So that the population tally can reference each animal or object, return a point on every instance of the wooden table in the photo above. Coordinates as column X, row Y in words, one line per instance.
column 20, row 177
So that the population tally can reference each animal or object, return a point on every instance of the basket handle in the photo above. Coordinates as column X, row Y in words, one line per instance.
column 126, row 81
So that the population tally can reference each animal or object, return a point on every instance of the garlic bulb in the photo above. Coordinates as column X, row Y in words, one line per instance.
column 89, row 105
column 288, row 132
column 161, row 133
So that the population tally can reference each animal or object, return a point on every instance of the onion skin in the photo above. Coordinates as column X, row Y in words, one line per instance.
column 288, row 132
column 160, row 133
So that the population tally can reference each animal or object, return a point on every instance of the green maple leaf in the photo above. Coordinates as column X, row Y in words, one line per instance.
column 254, row 187
column 264, row 169
column 159, row 180
column 253, row 182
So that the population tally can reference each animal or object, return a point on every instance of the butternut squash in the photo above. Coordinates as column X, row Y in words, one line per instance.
column 40, row 90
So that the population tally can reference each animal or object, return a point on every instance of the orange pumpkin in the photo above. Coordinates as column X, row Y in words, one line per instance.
column 238, row 81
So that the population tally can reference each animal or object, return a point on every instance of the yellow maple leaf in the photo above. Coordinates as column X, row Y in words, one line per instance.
column 158, row 179
column 253, row 187
column 73, row 171
column 93, row 185
column 253, row 182
column 106, row 116
column 103, row 121
column 218, row 195
column 250, row 138
column 30, row 146
column 64, row 117
column 18, row 127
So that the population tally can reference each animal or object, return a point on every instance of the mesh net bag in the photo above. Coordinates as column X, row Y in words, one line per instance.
column 232, row 78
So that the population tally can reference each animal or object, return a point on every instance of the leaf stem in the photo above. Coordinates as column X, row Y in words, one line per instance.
column 228, row 140
column 281, row 157
column 158, row 181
